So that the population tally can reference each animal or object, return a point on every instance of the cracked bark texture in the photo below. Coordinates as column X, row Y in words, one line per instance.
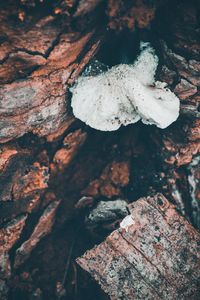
column 54, row 170
column 155, row 257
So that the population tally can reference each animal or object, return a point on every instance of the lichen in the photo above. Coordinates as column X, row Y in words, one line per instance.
column 124, row 95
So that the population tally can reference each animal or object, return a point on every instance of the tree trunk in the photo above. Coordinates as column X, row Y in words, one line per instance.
column 54, row 170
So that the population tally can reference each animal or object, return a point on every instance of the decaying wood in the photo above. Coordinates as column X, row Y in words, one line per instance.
column 54, row 170
column 155, row 257
column 43, row 54
column 43, row 227
column 113, row 177
column 71, row 145
column 23, row 181
column 10, row 232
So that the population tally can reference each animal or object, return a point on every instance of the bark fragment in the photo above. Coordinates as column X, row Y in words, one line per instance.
column 185, row 89
column 113, row 177
column 10, row 233
column 42, row 228
column 71, row 145
column 155, row 257
column 22, row 181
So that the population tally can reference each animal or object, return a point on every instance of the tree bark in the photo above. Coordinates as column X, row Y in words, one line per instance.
column 49, row 160
column 155, row 256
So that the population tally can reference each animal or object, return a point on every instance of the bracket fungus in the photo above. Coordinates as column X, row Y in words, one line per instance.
column 124, row 95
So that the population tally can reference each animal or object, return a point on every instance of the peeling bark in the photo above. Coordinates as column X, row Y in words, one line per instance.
column 55, row 171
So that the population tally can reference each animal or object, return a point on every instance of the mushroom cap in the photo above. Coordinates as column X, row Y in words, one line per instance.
column 125, row 94
column 101, row 101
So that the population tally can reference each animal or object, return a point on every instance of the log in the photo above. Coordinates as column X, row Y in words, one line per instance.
column 153, row 255
column 55, row 171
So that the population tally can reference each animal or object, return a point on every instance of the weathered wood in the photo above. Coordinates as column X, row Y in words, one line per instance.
column 46, row 154
column 10, row 233
column 23, row 180
column 154, row 256
column 109, row 184
column 38, row 60
column 42, row 228
column 71, row 145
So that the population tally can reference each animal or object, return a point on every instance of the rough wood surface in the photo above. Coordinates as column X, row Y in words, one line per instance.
column 23, row 180
column 155, row 257
column 47, row 156
column 42, row 228
column 38, row 59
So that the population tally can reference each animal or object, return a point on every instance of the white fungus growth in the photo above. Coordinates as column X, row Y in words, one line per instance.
column 125, row 94
column 126, row 222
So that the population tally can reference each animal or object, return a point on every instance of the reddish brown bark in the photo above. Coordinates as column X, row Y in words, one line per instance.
column 49, row 160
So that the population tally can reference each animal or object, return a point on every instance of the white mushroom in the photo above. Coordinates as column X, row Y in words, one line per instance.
column 124, row 95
